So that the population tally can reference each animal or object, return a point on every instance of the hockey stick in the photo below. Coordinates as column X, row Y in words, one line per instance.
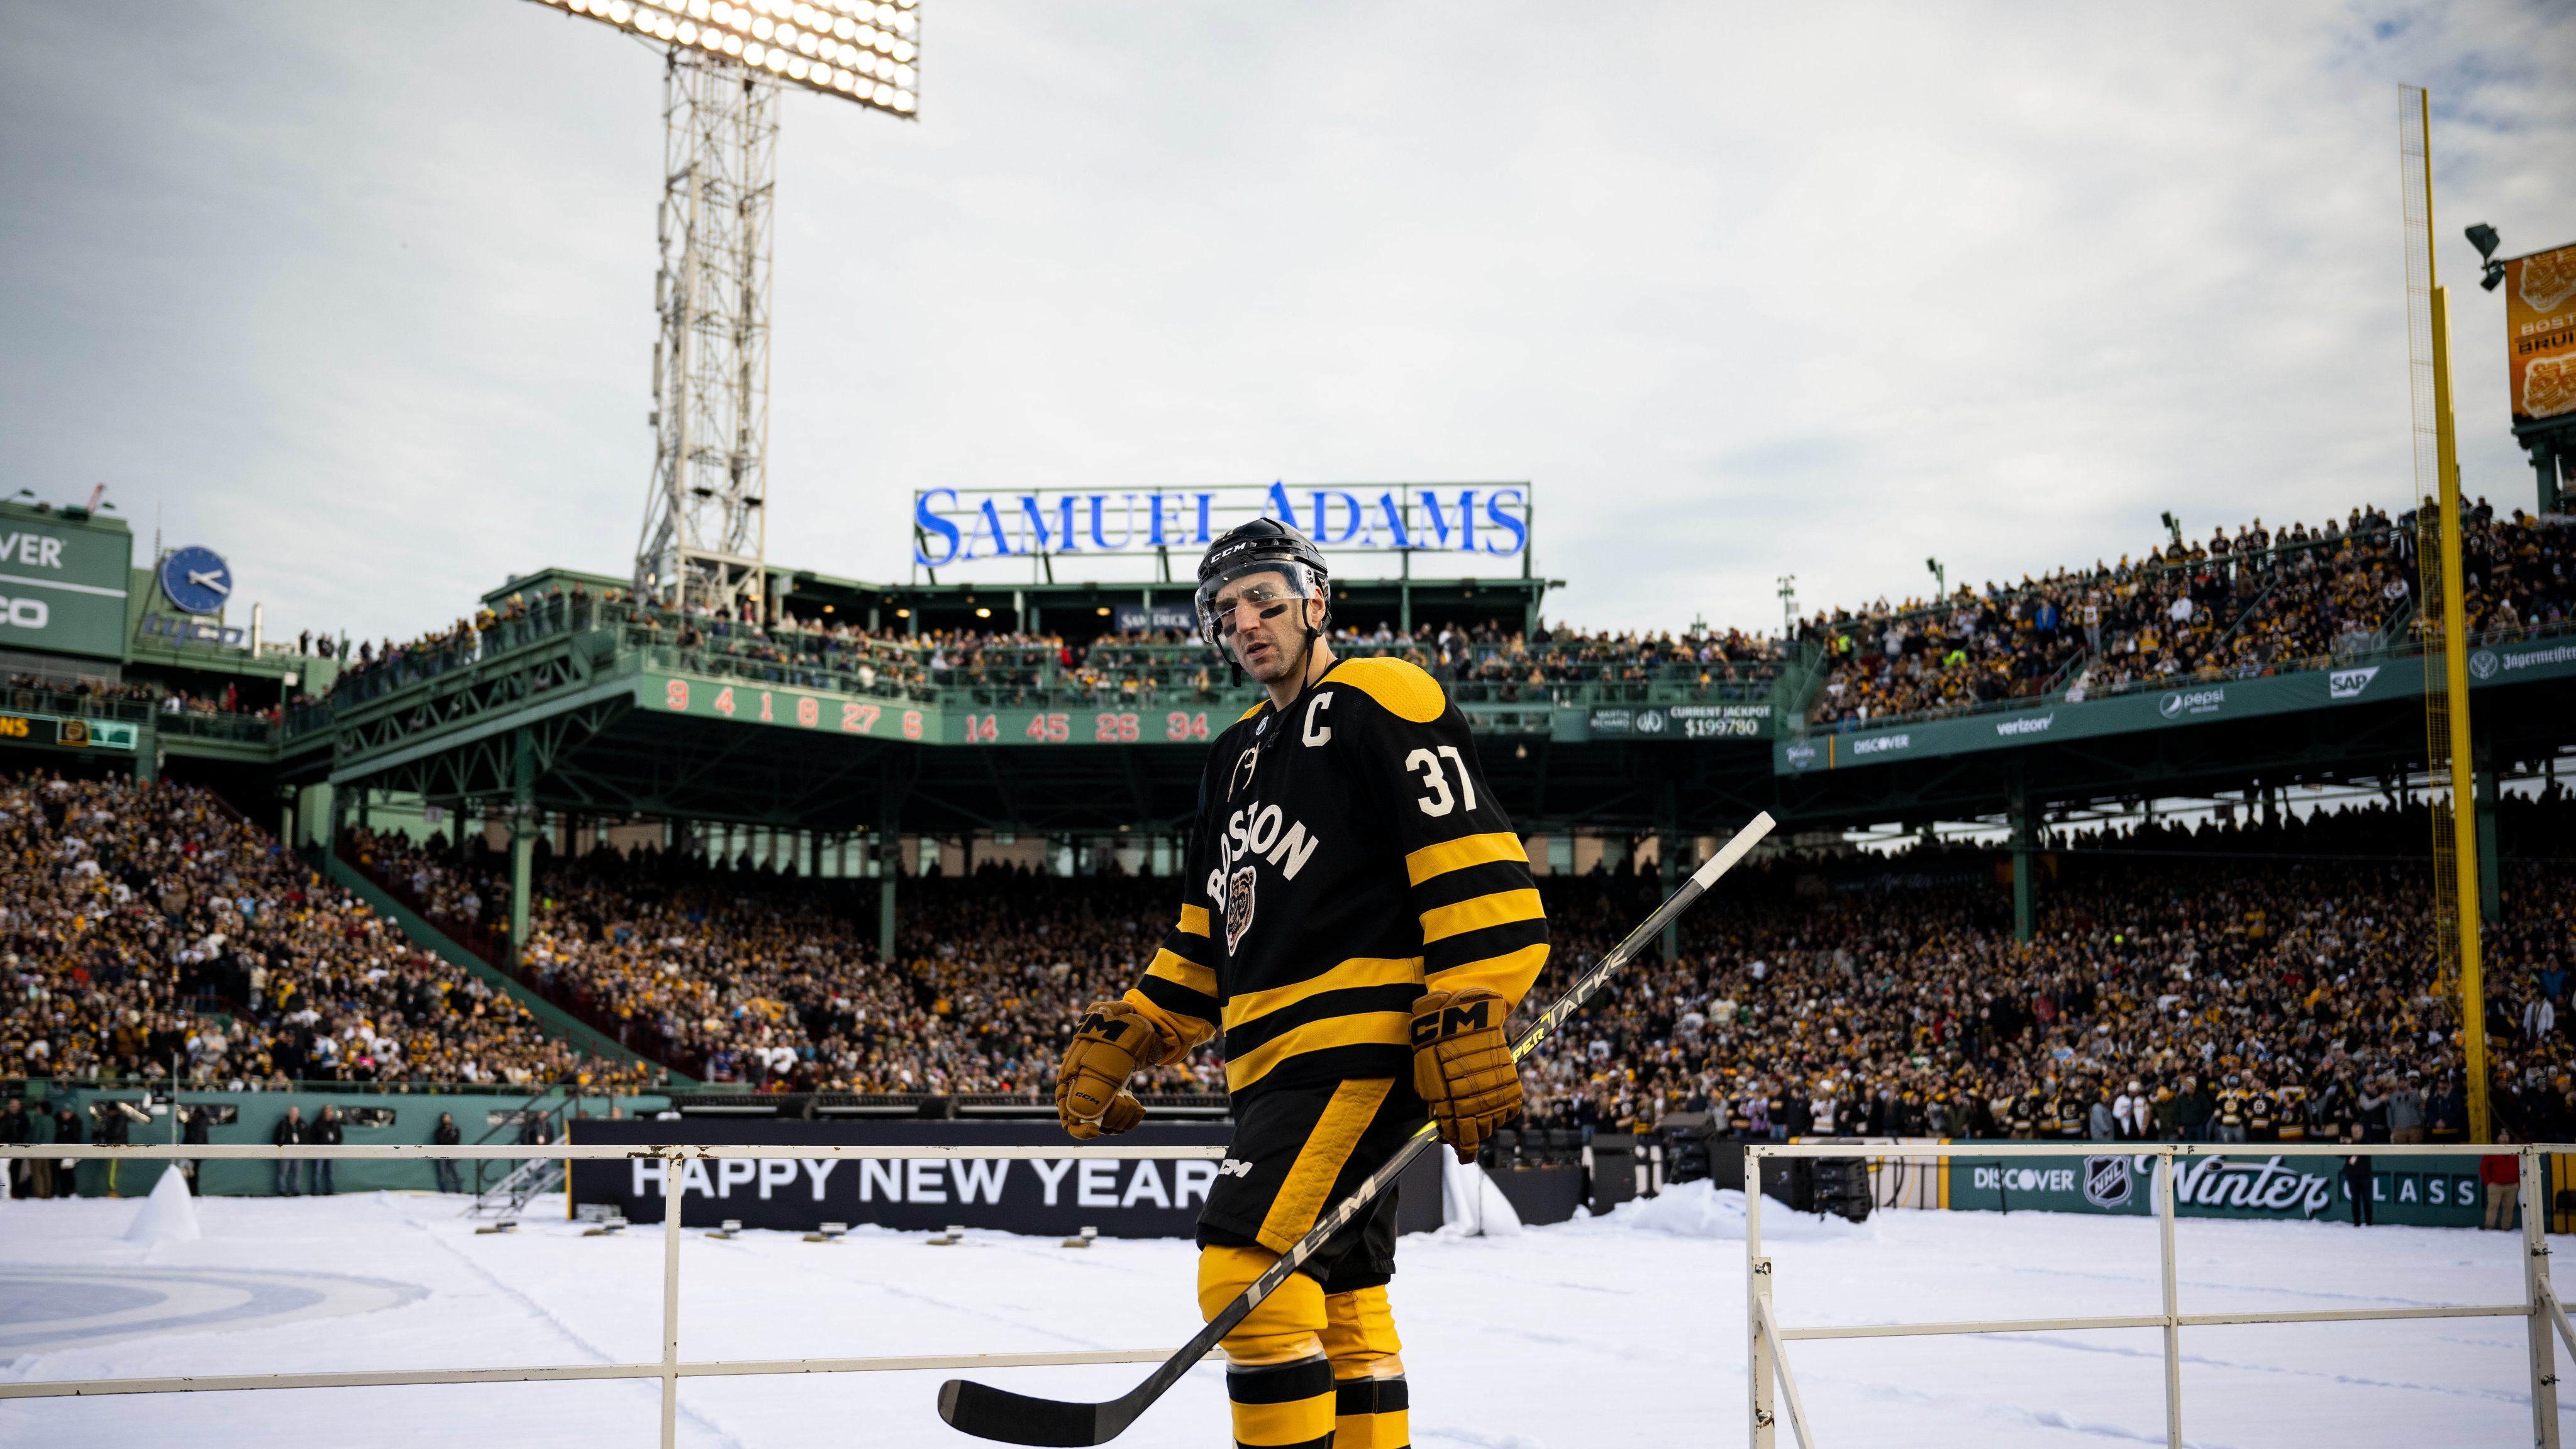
column 990, row 1413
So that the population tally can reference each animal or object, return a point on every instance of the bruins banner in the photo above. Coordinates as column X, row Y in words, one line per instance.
column 2540, row 331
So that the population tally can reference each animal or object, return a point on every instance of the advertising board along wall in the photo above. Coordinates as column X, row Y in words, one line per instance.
column 2365, row 681
column 2422, row 1191
column 64, row 578
column 1137, row 1198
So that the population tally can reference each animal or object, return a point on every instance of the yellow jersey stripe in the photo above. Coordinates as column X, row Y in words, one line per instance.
column 1183, row 971
column 1309, row 1184
column 1367, row 1028
column 1194, row 921
column 1463, row 852
column 1184, row 1030
column 1511, row 974
column 1357, row 971
column 1501, row 908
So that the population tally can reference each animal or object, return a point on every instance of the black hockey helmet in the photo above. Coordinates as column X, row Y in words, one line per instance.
column 1265, row 545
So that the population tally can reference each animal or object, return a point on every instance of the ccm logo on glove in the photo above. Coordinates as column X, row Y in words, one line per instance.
column 1451, row 1020
column 1462, row 1066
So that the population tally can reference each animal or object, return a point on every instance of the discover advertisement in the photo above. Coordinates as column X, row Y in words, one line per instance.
column 63, row 581
column 2249, row 1183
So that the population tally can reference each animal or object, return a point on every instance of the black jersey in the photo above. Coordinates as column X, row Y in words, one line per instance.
column 1348, row 856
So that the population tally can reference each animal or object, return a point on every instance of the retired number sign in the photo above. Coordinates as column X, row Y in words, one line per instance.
column 1099, row 727
column 744, row 702
column 791, row 708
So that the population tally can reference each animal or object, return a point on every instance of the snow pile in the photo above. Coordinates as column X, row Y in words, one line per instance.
column 169, row 1215
column 1471, row 1204
column 1702, row 1210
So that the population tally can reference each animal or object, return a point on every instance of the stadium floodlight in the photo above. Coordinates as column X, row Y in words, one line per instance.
column 2485, row 239
column 705, row 539
column 870, row 54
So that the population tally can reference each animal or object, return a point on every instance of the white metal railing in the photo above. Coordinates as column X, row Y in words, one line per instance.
column 1767, row 1342
column 670, row 1370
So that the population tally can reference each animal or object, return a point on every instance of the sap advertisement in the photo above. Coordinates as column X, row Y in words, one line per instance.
column 1468, row 520
column 1132, row 1198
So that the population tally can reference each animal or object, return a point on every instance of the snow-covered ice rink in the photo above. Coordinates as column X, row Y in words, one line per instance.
column 1628, row 1330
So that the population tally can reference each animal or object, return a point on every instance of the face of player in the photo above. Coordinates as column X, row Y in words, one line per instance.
column 1267, row 624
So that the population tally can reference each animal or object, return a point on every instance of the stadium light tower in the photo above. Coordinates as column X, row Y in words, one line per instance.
column 705, row 536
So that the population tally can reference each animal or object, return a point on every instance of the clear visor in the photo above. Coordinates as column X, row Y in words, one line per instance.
column 1258, row 589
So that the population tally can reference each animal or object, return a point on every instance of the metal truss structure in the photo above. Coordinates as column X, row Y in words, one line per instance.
column 705, row 530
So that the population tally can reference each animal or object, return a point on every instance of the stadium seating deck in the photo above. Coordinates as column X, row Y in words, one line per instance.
column 2284, row 990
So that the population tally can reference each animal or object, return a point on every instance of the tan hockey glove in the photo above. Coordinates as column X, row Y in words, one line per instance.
column 1091, row 1096
column 1462, row 1066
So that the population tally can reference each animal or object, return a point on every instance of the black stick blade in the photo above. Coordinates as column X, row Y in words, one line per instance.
column 990, row 1413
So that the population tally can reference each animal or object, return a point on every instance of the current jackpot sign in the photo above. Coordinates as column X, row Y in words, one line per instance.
column 2540, row 330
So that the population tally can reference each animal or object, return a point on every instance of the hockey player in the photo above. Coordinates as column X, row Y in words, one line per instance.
column 1357, row 922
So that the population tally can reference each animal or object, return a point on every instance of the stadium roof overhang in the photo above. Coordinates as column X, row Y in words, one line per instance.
column 595, row 738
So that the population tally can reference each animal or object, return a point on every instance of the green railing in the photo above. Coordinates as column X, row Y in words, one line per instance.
column 189, row 720
column 1017, row 674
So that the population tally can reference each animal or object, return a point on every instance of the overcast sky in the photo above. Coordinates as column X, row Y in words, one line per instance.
column 361, row 294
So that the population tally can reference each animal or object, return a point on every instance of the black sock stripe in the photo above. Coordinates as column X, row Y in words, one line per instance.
column 1369, row 1396
column 1326, row 1442
column 1286, row 1383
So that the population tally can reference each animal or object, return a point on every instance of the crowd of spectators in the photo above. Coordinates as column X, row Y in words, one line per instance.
column 740, row 975
column 146, row 930
column 2246, row 603
column 2170, row 993
column 2244, row 982
column 2254, row 603
column 2271, row 979
column 30, row 687
column 80, row 695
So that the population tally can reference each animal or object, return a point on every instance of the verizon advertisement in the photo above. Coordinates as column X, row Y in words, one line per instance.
column 1139, row 1198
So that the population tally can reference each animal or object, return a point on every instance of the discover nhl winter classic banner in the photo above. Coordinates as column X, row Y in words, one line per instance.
column 2423, row 1191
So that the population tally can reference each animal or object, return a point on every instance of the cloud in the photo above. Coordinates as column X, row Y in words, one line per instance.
column 362, row 296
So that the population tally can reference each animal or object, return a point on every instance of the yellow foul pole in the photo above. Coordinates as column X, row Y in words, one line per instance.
column 2450, row 785
column 2455, row 683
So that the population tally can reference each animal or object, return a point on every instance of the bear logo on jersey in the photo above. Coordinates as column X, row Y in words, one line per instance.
column 1238, row 907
